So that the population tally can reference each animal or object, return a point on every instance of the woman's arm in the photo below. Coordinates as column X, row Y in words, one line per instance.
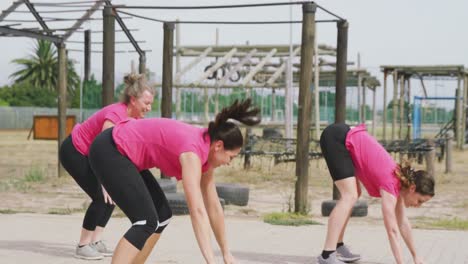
column 215, row 213
column 405, row 229
column 391, row 225
column 107, row 124
column 191, row 175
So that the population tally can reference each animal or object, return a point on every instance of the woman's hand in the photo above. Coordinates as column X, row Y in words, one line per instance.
column 417, row 260
column 107, row 198
column 228, row 258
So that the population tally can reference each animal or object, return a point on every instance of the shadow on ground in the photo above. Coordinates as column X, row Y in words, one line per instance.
column 51, row 249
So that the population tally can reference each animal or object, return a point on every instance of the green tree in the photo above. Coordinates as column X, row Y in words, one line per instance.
column 24, row 94
column 41, row 69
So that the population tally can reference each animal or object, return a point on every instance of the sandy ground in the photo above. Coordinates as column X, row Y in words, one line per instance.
column 49, row 210
column 39, row 238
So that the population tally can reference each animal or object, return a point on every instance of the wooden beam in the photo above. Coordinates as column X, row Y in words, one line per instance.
column 257, row 67
column 216, row 66
column 193, row 63
column 237, row 67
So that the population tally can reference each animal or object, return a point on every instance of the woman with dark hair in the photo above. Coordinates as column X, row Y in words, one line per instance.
column 188, row 153
column 136, row 100
column 353, row 156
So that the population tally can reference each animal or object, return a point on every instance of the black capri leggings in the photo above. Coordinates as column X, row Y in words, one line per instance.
column 77, row 165
column 332, row 143
column 138, row 194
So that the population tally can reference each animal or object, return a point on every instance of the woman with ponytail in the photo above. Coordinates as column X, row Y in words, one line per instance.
column 136, row 100
column 353, row 156
column 188, row 153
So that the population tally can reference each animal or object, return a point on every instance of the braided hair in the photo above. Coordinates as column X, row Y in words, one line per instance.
column 423, row 181
column 227, row 131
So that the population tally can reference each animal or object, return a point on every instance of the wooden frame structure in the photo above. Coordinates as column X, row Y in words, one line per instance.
column 402, row 74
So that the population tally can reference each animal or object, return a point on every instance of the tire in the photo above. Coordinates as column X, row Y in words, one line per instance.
column 359, row 209
column 233, row 193
column 167, row 185
column 178, row 203
column 271, row 133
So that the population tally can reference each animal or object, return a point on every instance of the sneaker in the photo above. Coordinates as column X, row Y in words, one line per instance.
column 332, row 259
column 88, row 252
column 344, row 254
column 101, row 248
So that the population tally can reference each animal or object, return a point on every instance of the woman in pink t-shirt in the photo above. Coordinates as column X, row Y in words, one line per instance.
column 353, row 156
column 136, row 100
column 191, row 154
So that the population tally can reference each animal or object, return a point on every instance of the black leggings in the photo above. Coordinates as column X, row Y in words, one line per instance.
column 138, row 194
column 77, row 165
column 338, row 158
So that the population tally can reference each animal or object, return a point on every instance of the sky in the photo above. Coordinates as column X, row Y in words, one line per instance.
column 399, row 32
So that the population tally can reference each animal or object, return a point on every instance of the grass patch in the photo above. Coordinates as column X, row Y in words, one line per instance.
column 8, row 211
column 452, row 224
column 448, row 224
column 290, row 219
column 64, row 211
column 34, row 175
column 12, row 211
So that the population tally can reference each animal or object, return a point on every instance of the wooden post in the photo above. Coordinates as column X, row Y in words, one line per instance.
column 359, row 89
column 168, row 45
column 108, row 56
column 430, row 159
column 87, row 55
column 394, row 103
column 340, row 98
column 305, row 107
column 142, row 64
column 448, row 153
column 384, row 118
column 62, row 99
column 402, row 106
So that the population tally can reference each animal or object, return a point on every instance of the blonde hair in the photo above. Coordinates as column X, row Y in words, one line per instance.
column 135, row 85
column 423, row 181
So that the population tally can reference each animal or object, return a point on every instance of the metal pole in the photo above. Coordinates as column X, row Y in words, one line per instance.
column 62, row 99
column 394, row 103
column 177, row 66
column 374, row 111
column 142, row 64
column 166, row 101
column 384, row 118
column 402, row 105
column 359, row 87
column 108, row 56
column 288, row 94
column 305, row 107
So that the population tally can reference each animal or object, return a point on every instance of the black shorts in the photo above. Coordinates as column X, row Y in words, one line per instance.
column 338, row 158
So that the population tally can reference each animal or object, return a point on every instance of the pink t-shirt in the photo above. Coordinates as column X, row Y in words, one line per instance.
column 84, row 134
column 374, row 166
column 158, row 142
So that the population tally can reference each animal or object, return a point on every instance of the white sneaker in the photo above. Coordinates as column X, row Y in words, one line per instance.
column 87, row 252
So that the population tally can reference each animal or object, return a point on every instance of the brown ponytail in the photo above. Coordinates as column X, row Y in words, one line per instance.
column 227, row 131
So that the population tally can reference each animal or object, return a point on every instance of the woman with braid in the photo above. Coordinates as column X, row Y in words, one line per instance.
column 353, row 156
column 136, row 100
column 120, row 154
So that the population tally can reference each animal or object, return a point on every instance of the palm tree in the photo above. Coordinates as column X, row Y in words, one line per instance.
column 41, row 69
